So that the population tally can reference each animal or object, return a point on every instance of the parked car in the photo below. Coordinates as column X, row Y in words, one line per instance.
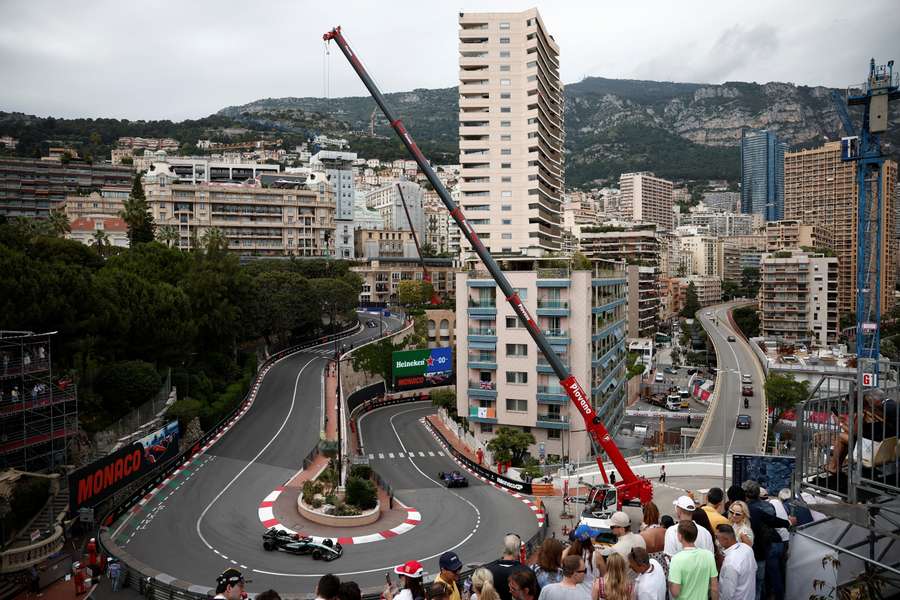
column 731, row 338
column 293, row 543
column 671, row 370
column 659, row 378
column 743, row 422
column 747, row 390
column 746, row 379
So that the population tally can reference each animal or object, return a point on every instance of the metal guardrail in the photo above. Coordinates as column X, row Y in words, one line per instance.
column 149, row 585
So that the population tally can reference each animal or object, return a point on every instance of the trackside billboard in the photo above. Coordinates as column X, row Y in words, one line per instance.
column 97, row 481
column 422, row 368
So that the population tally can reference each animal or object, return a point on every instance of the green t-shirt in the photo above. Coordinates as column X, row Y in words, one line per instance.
column 692, row 568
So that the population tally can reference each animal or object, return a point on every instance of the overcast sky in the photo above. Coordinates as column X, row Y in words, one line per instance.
column 189, row 58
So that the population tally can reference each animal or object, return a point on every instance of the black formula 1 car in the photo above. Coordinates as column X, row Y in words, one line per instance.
column 453, row 479
column 277, row 539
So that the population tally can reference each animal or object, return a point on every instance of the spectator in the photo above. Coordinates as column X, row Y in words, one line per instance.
column 699, row 517
column 410, row 574
column 620, row 525
column 767, row 546
column 615, row 583
column 650, row 583
column 114, row 572
column 450, row 566
column 793, row 507
column 684, row 511
column 548, row 568
column 662, row 473
column 715, row 503
column 737, row 578
column 328, row 587
column 650, row 516
column 584, row 548
column 230, row 585
column 692, row 572
column 734, row 494
column 14, row 396
column 439, row 591
column 483, row 585
column 666, row 521
column 571, row 587
column 508, row 563
column 880, row 421
column 523, row 585
column 780, row 512
column 273, row 595
column 348, row 590
column 740, row 522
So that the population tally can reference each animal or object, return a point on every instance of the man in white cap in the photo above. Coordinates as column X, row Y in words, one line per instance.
column 620, row 525
column 684, row 511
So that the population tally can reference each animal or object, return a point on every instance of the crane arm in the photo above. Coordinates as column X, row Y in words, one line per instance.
column 841, row 109
column 631, row 487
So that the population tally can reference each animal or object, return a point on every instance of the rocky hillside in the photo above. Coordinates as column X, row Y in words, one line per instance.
column 678, row 130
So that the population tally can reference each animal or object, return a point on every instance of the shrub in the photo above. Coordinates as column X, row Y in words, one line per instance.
column 126, row 385
column 361, row 493
column 310, row 489
column 344, row 510
column 361, row 471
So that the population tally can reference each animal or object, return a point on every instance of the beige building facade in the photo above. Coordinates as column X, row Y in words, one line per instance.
column 646, row 198
column 510, row 131
column 821, row 188
column 791, row 233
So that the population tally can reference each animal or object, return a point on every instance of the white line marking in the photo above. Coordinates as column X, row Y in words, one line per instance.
column 440, row 453
column 253, row 460
column 380, row 455
column 399, row 455
column 430, row 453
column 371, row 456
column 390, row 455
column 421, row 455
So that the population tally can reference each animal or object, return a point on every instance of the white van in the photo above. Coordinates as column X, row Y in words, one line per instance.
column 673, row 402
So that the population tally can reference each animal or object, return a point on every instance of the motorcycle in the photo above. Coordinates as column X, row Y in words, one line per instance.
column 746, row 403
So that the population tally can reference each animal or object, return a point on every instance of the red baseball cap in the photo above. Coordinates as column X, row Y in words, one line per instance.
column 411, row 568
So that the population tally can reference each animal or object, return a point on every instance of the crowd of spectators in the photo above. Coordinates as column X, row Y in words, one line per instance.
column 732, row 547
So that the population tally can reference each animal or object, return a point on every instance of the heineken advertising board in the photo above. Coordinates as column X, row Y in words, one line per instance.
column 422, row 368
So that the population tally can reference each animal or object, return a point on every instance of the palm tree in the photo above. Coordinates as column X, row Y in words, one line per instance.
column 101, row 242
column 167, row 234
column 213, row 240
column 59, row 223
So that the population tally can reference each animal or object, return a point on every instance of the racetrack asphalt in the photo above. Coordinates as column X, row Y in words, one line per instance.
column 208, row 520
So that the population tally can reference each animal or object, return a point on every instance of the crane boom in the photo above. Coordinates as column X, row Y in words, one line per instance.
column 631, row 487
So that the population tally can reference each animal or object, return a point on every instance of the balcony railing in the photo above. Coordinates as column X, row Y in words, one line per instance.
column 551, row 389
column 482, row 331
column 483, row 385
column 482, row 303
column 552, row 303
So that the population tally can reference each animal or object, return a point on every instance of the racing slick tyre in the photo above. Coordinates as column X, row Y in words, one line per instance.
column 267, row 545
column 317, row 555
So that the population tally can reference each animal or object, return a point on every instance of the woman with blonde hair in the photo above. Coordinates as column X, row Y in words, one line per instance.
column 616, row 584
column 739, row 514
column 483, row 585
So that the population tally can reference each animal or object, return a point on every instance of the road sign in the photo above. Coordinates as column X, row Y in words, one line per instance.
column 869, row 379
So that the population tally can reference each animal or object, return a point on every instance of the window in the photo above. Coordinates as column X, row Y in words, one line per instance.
column 517, row 377
column 513, row 323
column 517, row 350
column 506, row 207
column 506, row 194
column 504, row 54
column 506, row 179
column 504, row 25
column 554, row 434
column 516, row 405
column 504, row 40
column 487, row 428
column 523, row 293
column 505, row 151
column 505, row 82
column 505, row 109
column 531, row 64
column 504, row 68
column 505, row 95
column 507, row 221
column 506, row 236
column 506, row 138
column 531, row 78
column 506, row 165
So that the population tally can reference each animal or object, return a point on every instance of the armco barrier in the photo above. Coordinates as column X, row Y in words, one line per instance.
column 505, row 482
column 146, row 580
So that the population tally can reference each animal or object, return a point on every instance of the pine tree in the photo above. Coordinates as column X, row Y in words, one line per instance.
column 136, row 214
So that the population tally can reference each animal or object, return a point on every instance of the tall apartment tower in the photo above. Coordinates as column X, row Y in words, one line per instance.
column 762, row 174
column 510, row 131
column 646, row 198
column 820, row 188
column 338, row 167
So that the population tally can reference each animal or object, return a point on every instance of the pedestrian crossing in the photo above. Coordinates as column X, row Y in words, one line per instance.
column 399, row 455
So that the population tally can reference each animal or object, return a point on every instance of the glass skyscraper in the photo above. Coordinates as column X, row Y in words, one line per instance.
column 762, row 174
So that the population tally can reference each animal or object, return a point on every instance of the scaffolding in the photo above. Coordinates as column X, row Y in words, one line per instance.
column 38, row 412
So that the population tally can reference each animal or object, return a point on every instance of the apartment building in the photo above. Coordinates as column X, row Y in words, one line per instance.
column 502, row 378
column 375, row 243
column 256, row 220
column 205, row 169
column 791, row 233
column 387, row 202
column 382, row 276
column 762, row 174
column 107, row 202
column 441, row 324
column 31, row 188
column 709, row 289
column 437, row 228
column 821, row 188
column 731, row 262
column 84, row 230
column 639, row 248
column 798, row 298
column 646, row 198
column 338, row 167
column 701, row 255
column 721, row 224
column 719, row 201
column 510, row 131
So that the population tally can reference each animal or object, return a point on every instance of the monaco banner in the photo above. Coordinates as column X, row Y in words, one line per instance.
column 422, row 368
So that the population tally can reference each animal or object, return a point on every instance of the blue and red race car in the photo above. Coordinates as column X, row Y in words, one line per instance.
column 453, row 479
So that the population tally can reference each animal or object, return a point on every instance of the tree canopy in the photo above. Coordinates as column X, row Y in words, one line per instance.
column 784, row 393
column 510, row 444
column 691, row 302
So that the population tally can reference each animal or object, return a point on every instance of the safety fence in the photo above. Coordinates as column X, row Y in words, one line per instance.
column 149, row 582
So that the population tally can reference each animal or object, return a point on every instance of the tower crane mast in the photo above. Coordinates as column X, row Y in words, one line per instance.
column 630, row 488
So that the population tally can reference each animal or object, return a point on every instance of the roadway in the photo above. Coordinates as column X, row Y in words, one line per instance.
column 734, row 360
column 208, row 520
